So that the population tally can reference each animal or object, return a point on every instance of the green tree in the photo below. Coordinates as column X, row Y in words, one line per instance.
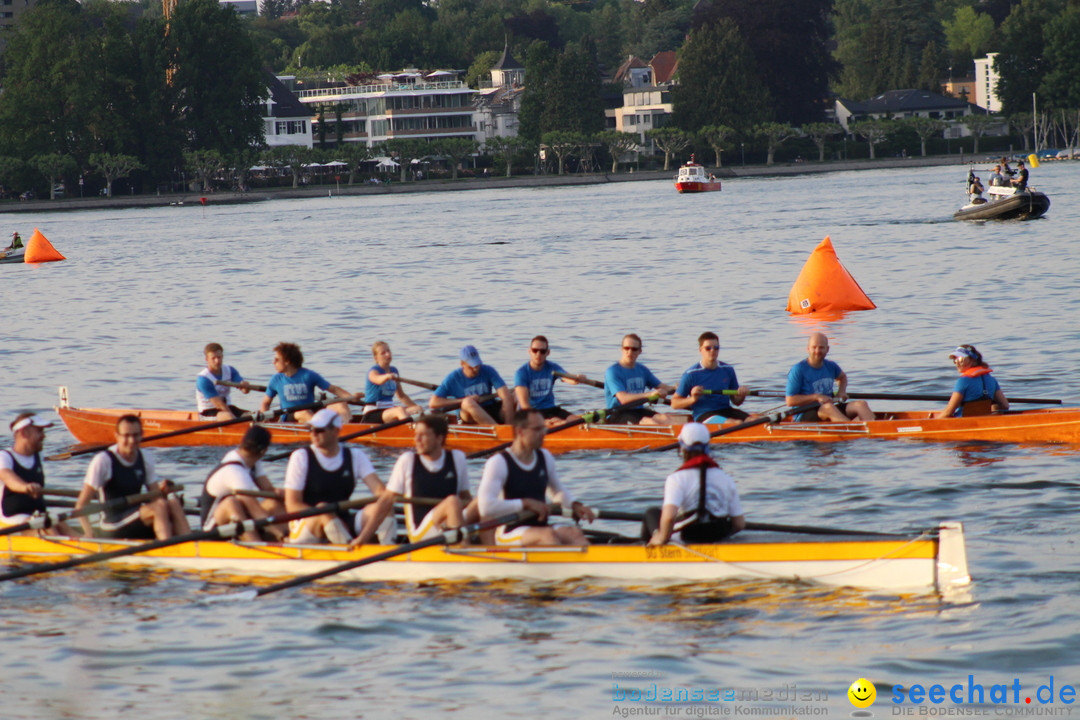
column 820, row 133
column 356, row 155
column 978, row 124
column 114, row 167
column 14, row 174
column 1060, row 87
column 539, row 75
column 970, row 33
column 405, row 150
column 790, row 45
column 717, row 137
column 1021, row 63
column 1023, row 124
column 874, row 132
column 670, row 140
column 561, row 143
column 55, row 167
column 219, row 93
column 774, row 134
column 711, row 93
column 455, row 150
column 925, row 128
column 291, row 157
column 617, row 144
column 504, row 149
column 205, row 164
column 481, row 67
column 562, row 92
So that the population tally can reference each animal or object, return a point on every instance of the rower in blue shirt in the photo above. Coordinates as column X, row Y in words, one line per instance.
column 534, row 383
column 811, row 380
column 627, row 381
column 295, row 384
column 467, row 384
column 701, row 386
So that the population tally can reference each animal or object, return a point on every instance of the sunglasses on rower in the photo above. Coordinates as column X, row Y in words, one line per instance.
column 539, row 351
column 631, row 348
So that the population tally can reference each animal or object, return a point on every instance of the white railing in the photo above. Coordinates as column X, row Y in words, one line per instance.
column 381, row 88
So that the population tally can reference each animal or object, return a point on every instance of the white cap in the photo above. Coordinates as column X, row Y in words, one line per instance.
column 324, row 419
column 693, row 434
column 35, row 420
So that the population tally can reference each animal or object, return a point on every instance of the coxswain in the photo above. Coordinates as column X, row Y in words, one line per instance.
column 521, row 478
column 126, row 469
column 627, row 381
column 211, row 399
column 382, row 388
column 976, row 392
column 325, row 472
column 701, row 387
column 534, row 383
column 241, row 471
column 16, row 241
column 296, row 385
column 467, row 384
column 812, row 379
column 22, row 476
column 701, row 503
column 432, row 471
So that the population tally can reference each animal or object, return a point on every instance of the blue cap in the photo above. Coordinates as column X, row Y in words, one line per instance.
column 470, row 356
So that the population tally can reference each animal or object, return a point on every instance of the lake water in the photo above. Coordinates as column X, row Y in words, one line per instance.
column 123, row 321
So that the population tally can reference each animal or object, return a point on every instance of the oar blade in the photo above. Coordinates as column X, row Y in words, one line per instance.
column 235, row 597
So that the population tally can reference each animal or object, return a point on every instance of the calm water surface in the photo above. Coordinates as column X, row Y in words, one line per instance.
column 123, row 322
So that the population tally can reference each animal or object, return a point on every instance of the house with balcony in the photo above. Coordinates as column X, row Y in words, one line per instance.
column 404, row 104
column 646, row 102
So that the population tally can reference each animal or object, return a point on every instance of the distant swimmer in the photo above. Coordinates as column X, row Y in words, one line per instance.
column 812, row 379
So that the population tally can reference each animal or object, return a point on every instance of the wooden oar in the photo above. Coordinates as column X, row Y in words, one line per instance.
column 246, row 417
column 756, row 526
column 905, row 396
column 592, row 416
column 449, row 537
column 250, row 386
column 44, row 521
column 768, row 418
column 594, row 383
column 221, row 532
column 418, row 383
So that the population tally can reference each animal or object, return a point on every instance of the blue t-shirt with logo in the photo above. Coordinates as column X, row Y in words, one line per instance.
column 456, row 385
column 720, row 378
column 633, row 380
column 541, row 383
column 380, row 395
column 296, row 390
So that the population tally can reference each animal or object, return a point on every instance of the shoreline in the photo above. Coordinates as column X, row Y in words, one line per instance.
column 463, row 184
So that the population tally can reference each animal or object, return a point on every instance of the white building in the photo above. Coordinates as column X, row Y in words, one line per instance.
column 986, row 80
column 285, row 120
column 406, row 104
column 498, row 105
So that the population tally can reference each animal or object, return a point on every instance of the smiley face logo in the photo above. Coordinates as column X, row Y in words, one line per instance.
column 862, row 693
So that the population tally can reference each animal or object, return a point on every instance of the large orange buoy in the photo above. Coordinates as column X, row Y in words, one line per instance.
column 40, row 250
column 825, row 285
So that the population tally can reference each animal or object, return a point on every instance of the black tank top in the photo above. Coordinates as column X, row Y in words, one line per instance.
column 521, row 483
column 439, row 485
column 15, row 503
column 124, row 481
column 323, row 485
column 206, row 500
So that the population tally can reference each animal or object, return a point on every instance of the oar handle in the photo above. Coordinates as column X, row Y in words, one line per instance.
column 907, row 396
column 45, row 521
column 250, row 386
column 579, row 379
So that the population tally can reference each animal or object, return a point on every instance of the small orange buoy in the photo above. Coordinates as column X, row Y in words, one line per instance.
column 40, row 250
column 825, row 285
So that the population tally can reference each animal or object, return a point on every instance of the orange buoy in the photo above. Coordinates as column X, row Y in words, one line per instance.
column 825, row 285
column 40, row 250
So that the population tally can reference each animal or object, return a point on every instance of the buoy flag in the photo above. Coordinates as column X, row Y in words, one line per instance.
column 825, row 285
column 40, row 250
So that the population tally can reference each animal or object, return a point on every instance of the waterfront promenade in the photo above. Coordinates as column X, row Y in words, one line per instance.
column 333, row 189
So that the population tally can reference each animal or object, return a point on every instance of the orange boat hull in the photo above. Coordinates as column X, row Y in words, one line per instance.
column 1058, row 425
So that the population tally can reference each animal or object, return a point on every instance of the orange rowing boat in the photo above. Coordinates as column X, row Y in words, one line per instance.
column 1057, row 425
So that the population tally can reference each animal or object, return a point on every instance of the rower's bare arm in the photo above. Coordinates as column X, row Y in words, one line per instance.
column 793, row 400
column 339, row 391
column 265, row 404
column 374, row 484
column 954, row 402
column 85, row 494
column 294, row 500
column 738, row 524
column 380, row 378
column 522, row 394
column 667, row 525
column 740, row 395
column 1000, row 402
column 574, row 379
column 410, row 405
column 17, row 484
column 509, row 403
column 679, row 402
column 437, row 403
